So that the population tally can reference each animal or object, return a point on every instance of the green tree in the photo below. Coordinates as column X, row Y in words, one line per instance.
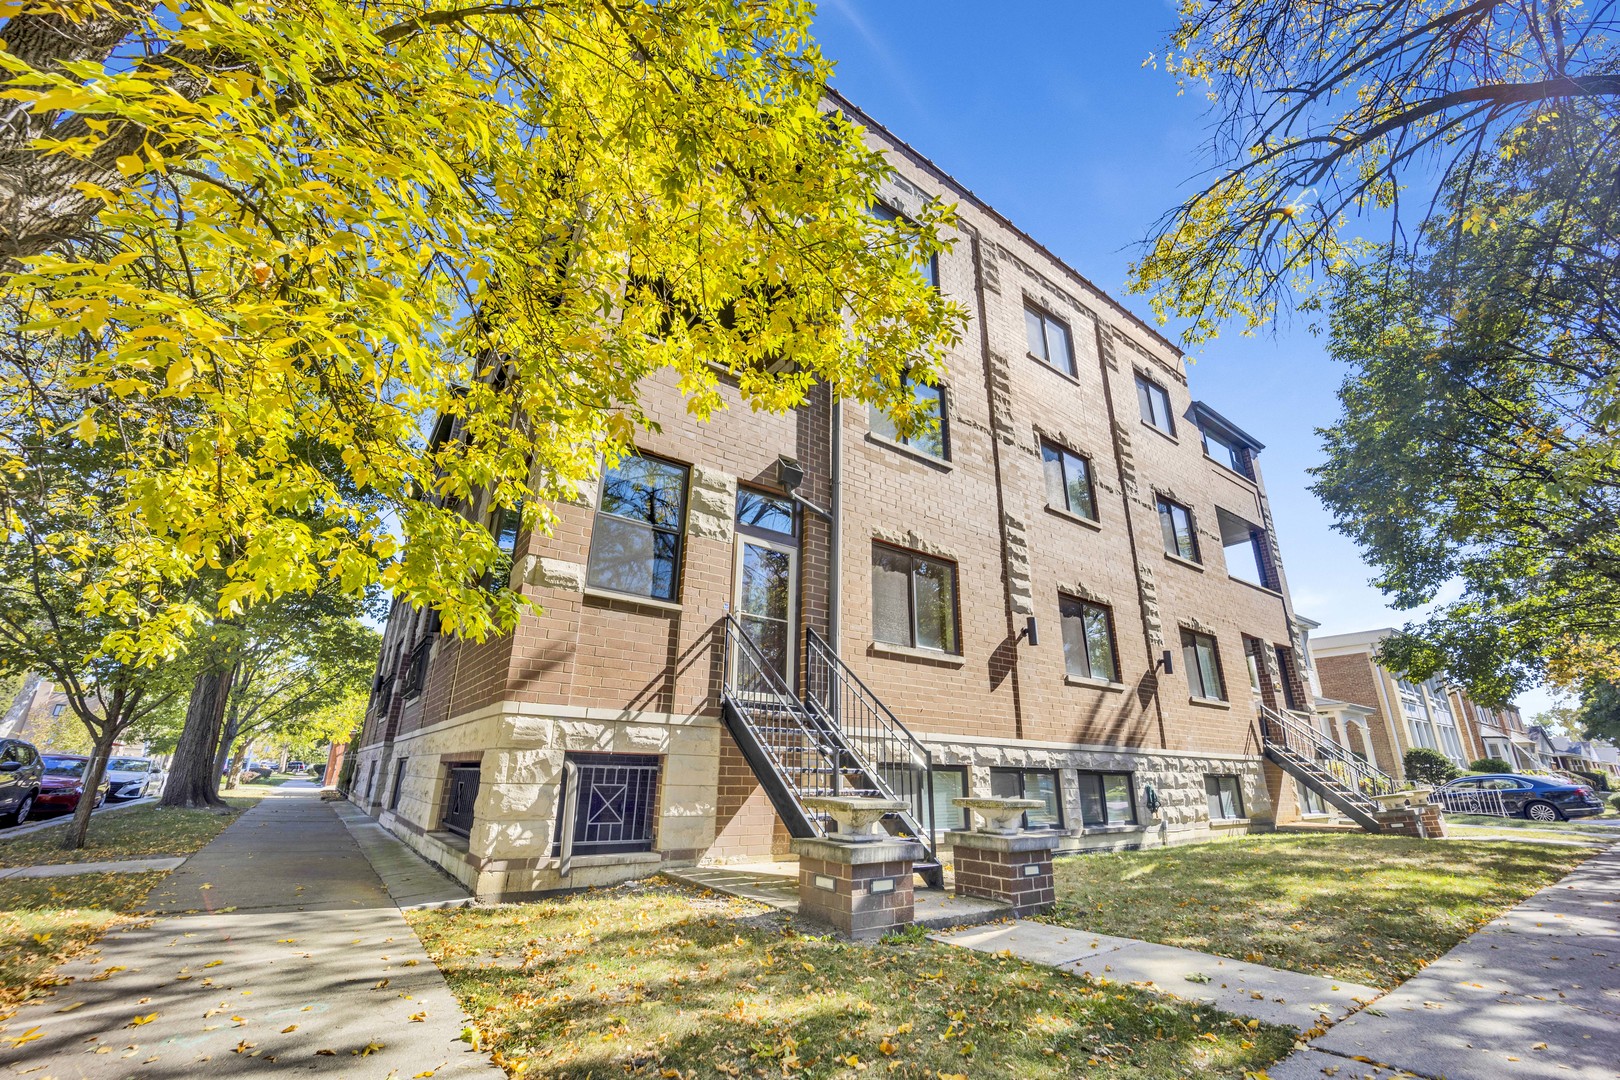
column 281, row 238
column 1425, row 766
column 1598, row 714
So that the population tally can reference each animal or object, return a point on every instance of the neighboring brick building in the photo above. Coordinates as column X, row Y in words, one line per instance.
column 1074, row 482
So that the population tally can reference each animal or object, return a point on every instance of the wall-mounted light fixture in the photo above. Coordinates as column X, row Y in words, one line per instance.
column 1029, row 631
column 1165, row 664
column 790, row 474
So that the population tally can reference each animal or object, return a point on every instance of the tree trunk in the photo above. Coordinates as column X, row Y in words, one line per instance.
column 193, row 781
column 227, row 739
column 94, row 772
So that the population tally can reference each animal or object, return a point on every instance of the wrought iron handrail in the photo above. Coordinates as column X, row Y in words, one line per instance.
column 751, row 681
column 1306, row 742
column 873, row 733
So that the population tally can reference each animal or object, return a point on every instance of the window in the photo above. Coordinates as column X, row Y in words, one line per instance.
column 950, row 782
column 1088, row 640
column 1049, row 340
column 931, row 438
column 1245, row 549
column 1203, row 662
column 1155, row 405
column 1417, row 714
column 1285, row 672
column 913, row 600
column 1224, row 451
column 57, row 710
column 460, row 795
column 1068, row 481
column 614, row 804
column 1309, row 801
column 1225, row 797
column 399, row 783
column 928, row 268
column 1175, row 521
column 505, row 531
column 416, row 674
column 1105, row 799
column 636, row 541
column 769, row 515
column 1039, row 784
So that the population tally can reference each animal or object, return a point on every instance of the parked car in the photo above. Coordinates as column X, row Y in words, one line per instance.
column 1538, row 798
column 131, row 778
column 63, row 783
column 20, row 774
column 297, row 766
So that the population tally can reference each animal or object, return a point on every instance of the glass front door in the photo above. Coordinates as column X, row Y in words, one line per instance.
column 766, row 591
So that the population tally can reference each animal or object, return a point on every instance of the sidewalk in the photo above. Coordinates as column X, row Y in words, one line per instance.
column 277, row 949
column 1535, row 995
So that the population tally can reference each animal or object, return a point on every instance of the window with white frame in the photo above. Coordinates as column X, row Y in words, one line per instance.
column 1202, row 657
column 1417, row 714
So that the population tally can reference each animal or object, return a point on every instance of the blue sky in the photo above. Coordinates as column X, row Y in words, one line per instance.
column 1047, row 112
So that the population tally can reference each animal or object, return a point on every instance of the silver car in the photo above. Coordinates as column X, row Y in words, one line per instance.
column 131, row 778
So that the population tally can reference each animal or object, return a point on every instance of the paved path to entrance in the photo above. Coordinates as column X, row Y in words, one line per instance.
column 1286, row 998
column 1535, row 995
column 278, row 951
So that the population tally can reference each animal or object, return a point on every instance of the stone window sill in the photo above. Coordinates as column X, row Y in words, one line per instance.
column 1070, row 515
column 942, row 464
column 1209, row 702
column 905, row 652
column 453, row 841
column 609, row 596
column 1190, row 564
column 1227, row 822
column 1095, row 684
column 1059, row 372
column 1111, row 830
column 1159, row 431
column 1256, row 586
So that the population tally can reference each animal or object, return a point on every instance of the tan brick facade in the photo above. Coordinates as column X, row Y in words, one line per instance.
column 613, row 674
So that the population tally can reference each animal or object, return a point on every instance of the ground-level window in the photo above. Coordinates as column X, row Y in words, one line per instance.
column 950, row 782
column 1225, row 797
column 1105, row 799
column 460, row 795
column 1088, row 640
column 1203, row 662
column 1309, row 801
column 913, row 600
column 615, row 805
column 1039, row 784
column 399, row 782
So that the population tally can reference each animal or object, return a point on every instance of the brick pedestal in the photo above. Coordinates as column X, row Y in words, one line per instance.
column 1015, row 869
column 1427, row 820
column 860, row 890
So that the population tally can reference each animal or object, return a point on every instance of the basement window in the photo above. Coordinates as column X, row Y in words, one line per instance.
column 1039, row 784
column 614, row 808
column 1225, row 797
column 460, row 796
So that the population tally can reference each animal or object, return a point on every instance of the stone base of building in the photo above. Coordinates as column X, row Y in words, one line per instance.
column 860, row 890
column 1425, row 821
column 1016, row 869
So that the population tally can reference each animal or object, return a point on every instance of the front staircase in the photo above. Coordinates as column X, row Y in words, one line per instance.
column 839, row 739
column 1344, row 781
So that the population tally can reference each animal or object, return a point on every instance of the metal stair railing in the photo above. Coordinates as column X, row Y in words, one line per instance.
column 883, row 748
column 797, row 749
column 1311, row 747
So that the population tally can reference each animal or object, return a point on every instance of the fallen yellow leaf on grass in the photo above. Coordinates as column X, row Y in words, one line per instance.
column 41, row 939
column 26, row 1037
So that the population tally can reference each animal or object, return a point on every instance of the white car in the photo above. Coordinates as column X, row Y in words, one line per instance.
column 132, row 778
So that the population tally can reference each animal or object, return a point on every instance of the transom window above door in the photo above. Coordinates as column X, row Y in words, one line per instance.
column 773, row 515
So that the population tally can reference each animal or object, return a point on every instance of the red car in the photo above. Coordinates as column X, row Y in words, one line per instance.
column 63, row 783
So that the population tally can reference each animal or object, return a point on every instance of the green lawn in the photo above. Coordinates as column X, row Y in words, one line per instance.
column 1367, row 909
column 1580, row 829
column 653, row 980
column 47, row 921
column 143, row 832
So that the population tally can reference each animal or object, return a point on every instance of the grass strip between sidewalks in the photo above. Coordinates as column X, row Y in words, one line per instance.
column 45, row 922
column 142, row 832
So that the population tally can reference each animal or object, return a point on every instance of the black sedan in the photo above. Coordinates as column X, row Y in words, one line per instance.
column 1538, row 798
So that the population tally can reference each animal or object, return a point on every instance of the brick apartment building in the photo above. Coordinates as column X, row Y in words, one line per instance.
column 1074, row 488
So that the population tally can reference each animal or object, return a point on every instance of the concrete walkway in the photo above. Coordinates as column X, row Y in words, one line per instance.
column 1286, row 998
column 114, row 866
column 277, row 950
column 1535, row 995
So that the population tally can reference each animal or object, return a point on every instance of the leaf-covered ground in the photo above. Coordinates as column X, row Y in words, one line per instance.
column 143, row 832
column 47, row 921
column 653, row 980
column 1368, row 909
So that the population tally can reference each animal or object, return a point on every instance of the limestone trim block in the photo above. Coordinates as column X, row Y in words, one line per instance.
column 554, row 573
column 712, row 505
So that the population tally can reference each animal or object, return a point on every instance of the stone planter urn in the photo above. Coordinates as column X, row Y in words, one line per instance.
column 857, row 816
column 1396, row 800
column 999, row 816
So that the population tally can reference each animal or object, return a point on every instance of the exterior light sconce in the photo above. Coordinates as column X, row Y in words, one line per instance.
column 1029, row 631
column 1164, row 663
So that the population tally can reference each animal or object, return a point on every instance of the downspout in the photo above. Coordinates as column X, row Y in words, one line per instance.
column 835, row 554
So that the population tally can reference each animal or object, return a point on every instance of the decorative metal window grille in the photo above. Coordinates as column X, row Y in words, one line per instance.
column 461, row 794
column 615, row 804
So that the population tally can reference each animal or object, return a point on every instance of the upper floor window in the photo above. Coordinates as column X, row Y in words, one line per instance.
column 1175, row 521
column 636, row 540
column 1088, row 640
column 930, row 438
column 1068, row 481
column 1202, row 657
column 1049, row 339
column 1245, row 546
column 1225, row 452
column 928, row 267
column 913, row 600
column 1154, row 402
column 1285, row 674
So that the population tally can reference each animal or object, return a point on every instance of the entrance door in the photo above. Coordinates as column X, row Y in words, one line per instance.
column 765, row 595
